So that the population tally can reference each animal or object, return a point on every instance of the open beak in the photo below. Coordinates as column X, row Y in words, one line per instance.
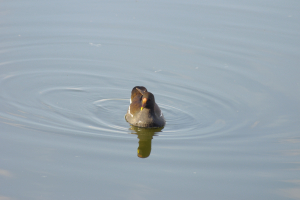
column 143, row 103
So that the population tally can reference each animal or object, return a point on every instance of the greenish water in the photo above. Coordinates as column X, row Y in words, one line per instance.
column 225, row 75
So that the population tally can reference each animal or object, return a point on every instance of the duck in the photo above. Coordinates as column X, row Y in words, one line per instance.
column 143, row 111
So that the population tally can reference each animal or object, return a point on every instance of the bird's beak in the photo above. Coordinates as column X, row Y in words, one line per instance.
column 143, row 103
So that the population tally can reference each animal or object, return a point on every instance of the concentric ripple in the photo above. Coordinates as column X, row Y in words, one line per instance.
column 75, row 102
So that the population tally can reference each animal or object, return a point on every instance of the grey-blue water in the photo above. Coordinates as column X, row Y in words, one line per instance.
column 224, row 73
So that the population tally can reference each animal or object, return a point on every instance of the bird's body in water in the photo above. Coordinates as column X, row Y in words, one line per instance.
column 143, row 111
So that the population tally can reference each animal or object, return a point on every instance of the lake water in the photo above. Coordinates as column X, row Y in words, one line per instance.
column 224, row 73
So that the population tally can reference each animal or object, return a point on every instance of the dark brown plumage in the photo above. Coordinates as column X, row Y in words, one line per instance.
column 143, row 111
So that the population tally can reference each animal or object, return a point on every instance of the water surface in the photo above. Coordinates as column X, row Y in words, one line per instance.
column 225, row 75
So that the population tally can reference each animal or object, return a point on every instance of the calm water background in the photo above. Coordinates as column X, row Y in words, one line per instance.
column 225, row 74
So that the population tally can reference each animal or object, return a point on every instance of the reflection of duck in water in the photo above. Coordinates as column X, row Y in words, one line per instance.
column 145, row 136
column 143, row 111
